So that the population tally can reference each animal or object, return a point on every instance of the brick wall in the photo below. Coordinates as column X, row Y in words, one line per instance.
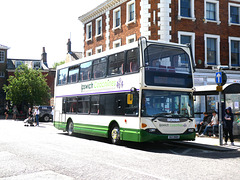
column 122, row 33
column 200, row 28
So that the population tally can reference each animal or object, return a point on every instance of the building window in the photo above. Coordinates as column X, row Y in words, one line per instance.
column 117, row 18
column 89, row 31
column 234, row 51
column 89, row 52
column 234, row 14
column 2, row 56
column 131, row 12
column 99, row 27
column 211, row 11
column 131, row 39
column 117, row 43
column 37, row 65
column 2, row 74
column 212, row 50
column 186, row 38
column 186, row 9
column 18, row 63
column 98, row 49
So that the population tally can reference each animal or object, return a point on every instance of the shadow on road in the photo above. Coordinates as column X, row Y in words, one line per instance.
column 165, row 147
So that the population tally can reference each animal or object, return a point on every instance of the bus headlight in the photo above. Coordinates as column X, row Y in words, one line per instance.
column 190, row 130
column 151, row 130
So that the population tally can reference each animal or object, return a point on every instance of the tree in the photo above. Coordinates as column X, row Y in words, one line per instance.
column 58, row 64
column 27, row 86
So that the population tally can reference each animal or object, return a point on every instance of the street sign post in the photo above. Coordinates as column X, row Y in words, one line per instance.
column 220, row 79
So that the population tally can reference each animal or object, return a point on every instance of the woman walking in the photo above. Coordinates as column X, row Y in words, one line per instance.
column 228, row 126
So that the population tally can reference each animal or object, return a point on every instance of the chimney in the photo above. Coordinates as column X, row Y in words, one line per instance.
column 44, row 56
column 69, row 46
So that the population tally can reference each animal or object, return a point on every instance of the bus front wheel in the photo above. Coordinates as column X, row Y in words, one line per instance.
column 70, row 128
column 115, row 134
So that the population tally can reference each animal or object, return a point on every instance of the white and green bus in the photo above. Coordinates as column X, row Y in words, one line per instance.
column 139, row 92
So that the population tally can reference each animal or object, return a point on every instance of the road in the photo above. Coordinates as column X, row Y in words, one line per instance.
column 47, row 153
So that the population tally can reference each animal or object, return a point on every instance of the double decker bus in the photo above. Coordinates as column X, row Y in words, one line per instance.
column 138, row 92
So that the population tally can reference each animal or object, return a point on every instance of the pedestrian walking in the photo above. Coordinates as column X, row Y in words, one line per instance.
column 228, row 125
column 36, row 113
column 6, row 111
column 15, row 111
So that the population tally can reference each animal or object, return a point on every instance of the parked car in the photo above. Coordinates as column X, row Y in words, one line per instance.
column 45, row 113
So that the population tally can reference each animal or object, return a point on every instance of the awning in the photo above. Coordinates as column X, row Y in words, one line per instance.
column 211, row 89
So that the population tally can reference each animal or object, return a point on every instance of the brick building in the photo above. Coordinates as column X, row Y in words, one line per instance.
column 211, row 26
column 3, row 65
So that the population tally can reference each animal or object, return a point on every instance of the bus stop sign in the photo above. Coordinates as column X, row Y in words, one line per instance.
column 221, row 78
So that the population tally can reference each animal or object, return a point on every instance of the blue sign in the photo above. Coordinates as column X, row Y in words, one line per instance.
column 219, row 77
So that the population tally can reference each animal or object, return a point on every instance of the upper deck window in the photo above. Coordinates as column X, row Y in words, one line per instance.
column 116, row 64
column 73, row 74
column 132, row 61
column 85, row 71
column 167, row 66
column 99, row 68
column 62, row 76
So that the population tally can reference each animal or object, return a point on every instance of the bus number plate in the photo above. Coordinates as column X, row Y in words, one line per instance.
column 174, row 137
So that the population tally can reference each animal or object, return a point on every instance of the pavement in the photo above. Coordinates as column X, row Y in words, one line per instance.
column 212, row 143
column 206, row 142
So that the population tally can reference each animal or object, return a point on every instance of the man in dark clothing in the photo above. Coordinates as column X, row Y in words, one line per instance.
column 204, row 123
column 228, row 125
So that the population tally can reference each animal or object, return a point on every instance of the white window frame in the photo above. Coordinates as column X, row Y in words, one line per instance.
column 217, row 37
column 217, row 11
column 98, row 48
column 114, row 18
column 128, row 38
column 89, row 52
column 2, row 60
column 192, row 11
column 229, row 15
column 230, row 38
column 97, row 20
column 119, row 41
column 2, row 74
column 128, row 12
column 87, row 31
column 192, row 34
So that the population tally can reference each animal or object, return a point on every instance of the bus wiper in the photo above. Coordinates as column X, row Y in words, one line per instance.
column 160, row 115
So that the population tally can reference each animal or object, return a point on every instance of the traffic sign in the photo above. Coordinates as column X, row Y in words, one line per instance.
column 218, row 77
column 221, row 78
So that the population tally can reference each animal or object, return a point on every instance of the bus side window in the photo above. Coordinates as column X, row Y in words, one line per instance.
column 132, row 60
column 116, row 64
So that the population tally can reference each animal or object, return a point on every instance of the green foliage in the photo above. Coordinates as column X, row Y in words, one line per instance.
column 27, row 86
column 58, row 64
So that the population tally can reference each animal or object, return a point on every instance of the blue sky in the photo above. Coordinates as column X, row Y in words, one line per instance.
column 29, row 25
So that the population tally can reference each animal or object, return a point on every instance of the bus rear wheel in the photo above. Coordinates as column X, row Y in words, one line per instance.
column 70, row 128
column 115, row 134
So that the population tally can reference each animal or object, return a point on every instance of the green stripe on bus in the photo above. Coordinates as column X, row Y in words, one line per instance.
column 126, row 134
